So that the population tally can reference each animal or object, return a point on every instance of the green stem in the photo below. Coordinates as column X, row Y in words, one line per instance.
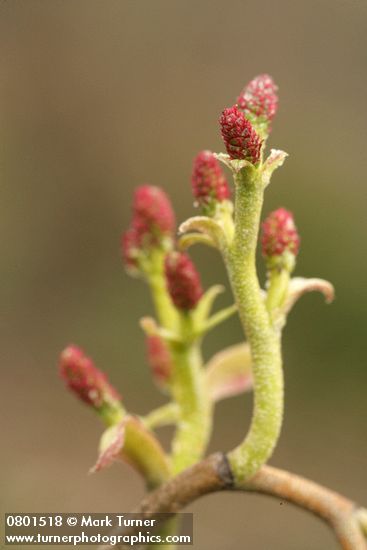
column 218, row 318
column 112, row 413
column 166, row 312
column 163, row 416
column 277, row 291
column 190, row 393
column 266, row 422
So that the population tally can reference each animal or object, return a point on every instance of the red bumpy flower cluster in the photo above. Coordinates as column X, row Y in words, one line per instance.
column 85, row 380
column 159, row 359
column 279, row 234
column 183, row 281
column 259, row 98
column 153, row 220
column 152, row 212
column 240, row 139
column 208, row 181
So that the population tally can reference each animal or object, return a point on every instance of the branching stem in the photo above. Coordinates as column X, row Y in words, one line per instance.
column 214, row 474
column 190, row 393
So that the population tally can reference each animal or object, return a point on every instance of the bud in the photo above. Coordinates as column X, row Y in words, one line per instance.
column 279, row 234
column 259, row 99
column 208, row 181
column 85, row 380
column 183, row 281
column 153, row 216
column 152, row 224
column 159, row 359
column 240, row 139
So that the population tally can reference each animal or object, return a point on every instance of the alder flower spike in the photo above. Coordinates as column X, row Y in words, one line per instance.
column 87, row 382
column 153, row 215
column 259, row 101
column 183, row 281
column 209, row 184
column 152, row 226
column 241, row 140
column 279, row 234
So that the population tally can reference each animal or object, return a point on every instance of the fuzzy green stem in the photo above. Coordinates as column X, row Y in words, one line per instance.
column 277, row 290
column 190, row 393
column 266, row 422
column 163, row 416
column 112, row 413
column 218, row 318
column 166, row 312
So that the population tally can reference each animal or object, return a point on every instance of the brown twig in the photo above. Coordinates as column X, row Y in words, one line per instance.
column 213, row 474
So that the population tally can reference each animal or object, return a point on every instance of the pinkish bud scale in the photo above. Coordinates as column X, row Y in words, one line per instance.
column 183, row 281
column 240, row 138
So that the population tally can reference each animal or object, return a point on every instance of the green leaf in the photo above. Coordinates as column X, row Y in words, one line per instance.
column 110, row 446
column 189, row 239
column 131, row 441
column 162, row 416
column 206, row 302
column 229, row 373
column 206, row 226
column 299, row 286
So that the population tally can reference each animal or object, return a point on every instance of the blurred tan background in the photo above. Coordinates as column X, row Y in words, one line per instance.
column 98, row 97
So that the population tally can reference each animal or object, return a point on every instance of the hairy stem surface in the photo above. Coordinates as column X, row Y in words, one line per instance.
column 191, row 394
column 240, row 257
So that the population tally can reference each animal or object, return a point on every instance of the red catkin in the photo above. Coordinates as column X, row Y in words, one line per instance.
column 84, row 379
column 259, row 98
column 240, row 138
column 183, row 281
column 279, row 234
column 208, row 180
column 153, row 220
